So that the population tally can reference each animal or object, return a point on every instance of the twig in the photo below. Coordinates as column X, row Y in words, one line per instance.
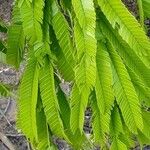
column 14, row 135
column 6, row 141
column 59, row 77
column 3, row 115
column 8, row 104
column 28, row 145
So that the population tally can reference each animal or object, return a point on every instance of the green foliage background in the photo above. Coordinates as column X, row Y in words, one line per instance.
column 100, row 48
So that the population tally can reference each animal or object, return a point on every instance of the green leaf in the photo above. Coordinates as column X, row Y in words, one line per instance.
column 16, row 15
column 116, row 124
column 42, row 127
column 15, row 45
column 32, row 16
column 118, row 145
column 61, row 30
column 85, row 71
column 100, row 123
column 125, row 93
column 103, row 88
column 49, row 99
column 84, row 32
column 45, row 44
column 146, row 123
column 78, row 104
column 142, row 90
column 64, row 67
column 28, row 93
column 64, row 105
column 85, row 14
column 127, row 139
column 142, row 138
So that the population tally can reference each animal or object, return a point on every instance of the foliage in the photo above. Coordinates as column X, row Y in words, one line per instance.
column 102, row 50
column 3, row 49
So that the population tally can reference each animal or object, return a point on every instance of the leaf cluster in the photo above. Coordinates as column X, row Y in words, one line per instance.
column 102, row 50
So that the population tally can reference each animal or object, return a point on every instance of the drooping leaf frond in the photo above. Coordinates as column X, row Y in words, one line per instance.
column 142, row 90
column 125, row 93
column 84, row 32
column 78, row 106
column 85, row 71
column 100, row 123
column 128, row 27
column 103, row 88
column 137, row 70
column 64, row 67
column 115, row 119
column 61, row 29
column 42, row 127
column 49, row 100
column 117, row 144
column 15, row 45
column 127, row 54
column 28, row 100
column 32, row 15
column 64, row 106
column 15, row 39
